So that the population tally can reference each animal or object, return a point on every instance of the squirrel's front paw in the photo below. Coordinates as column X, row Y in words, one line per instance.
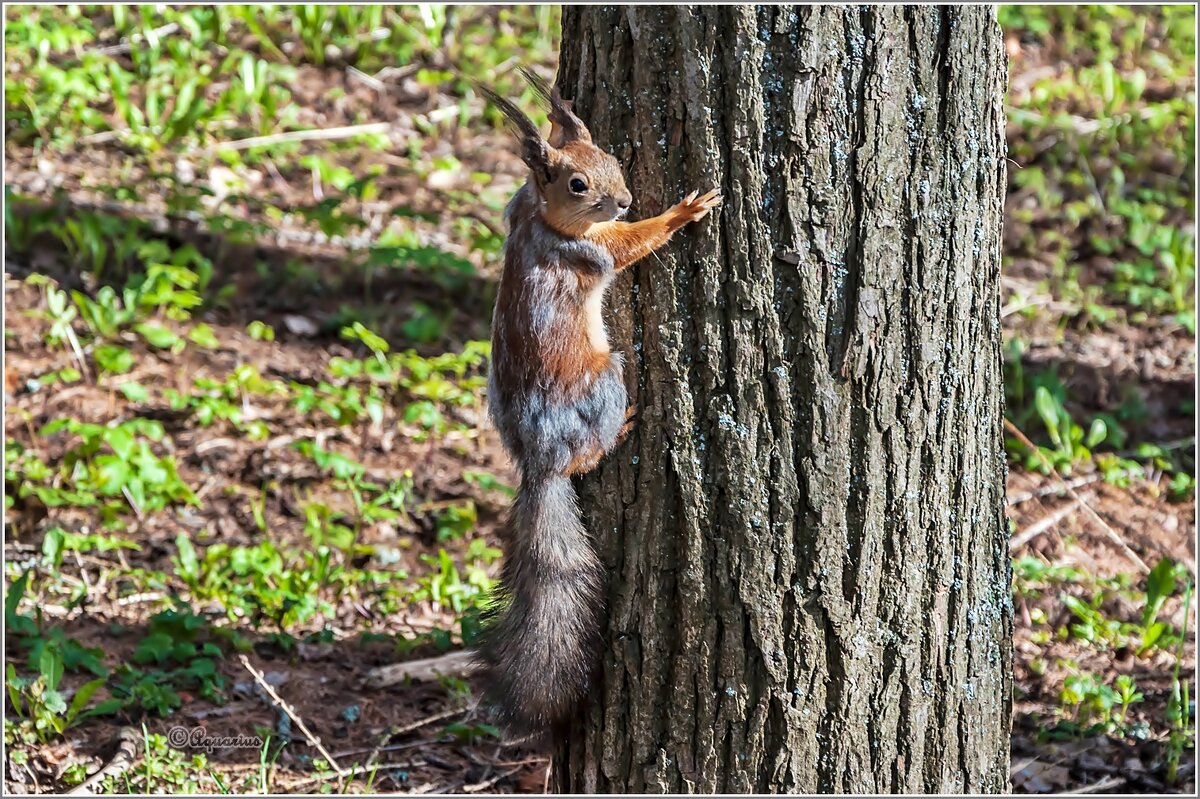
column 693, row 208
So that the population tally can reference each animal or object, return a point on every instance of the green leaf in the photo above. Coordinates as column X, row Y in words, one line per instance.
column 51, row 667
column 105, row 708
column 121, row 441
column 112, row 474
column 1151, row 636
column 82, row 696
column 1047, row 409
column 50, row 428
column 1096, row 433
column 113, row 359
column 364, row 334
column 14, row 685
column 189, row 561
column 260, row 331
column 155, row 647
column 13, row 621
column 204, row 337
column 54, row 702
column 134, row 392
column 52, row 547
column 1160, row 584
column 157, row 335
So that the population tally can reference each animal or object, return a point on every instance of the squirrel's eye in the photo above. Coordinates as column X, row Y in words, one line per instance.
column 577, row 185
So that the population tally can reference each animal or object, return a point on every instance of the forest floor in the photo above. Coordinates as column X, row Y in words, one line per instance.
column 246, row 446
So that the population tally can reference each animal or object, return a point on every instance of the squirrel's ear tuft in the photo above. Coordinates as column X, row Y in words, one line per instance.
column 565, row 127
column 535, row 152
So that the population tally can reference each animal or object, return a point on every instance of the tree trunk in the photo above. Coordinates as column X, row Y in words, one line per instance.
column 810, row 573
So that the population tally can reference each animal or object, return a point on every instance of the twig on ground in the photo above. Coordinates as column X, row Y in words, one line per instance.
column 1049, row 303
column 214, row 443
column 1112, row 534
column 122, row 760
column 397, row 73
column 286, row 708
column 144, row 596
column 127, row 45
column 487, row 223
column 396, row 733
column 457, row 664
column 1105, row 784
column 281, row 185
column 316, row 134
column 397, row 747
column 529, row 761
column 79, row 355
column 1057, row 488
column 1042, row 525
column 137, row 510
column 367, row 80
column 488, row 783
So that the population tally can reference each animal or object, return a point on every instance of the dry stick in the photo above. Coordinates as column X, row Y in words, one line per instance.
column 1120, row 542
column 1041, row 526
column 126, row 755
column 286, row 708
column 458, row 664
column 367, row 80
column 529, row 761
column 127, row 45
column 483, row 786
column 1057, row 488
column 316, row 134
column 1105, row 784
column 390, row 734
column 400, row 747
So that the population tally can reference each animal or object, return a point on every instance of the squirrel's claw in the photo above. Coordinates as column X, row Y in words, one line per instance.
column 695, row 207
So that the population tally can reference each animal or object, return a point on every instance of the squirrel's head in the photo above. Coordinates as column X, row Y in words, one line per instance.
column 579, row 183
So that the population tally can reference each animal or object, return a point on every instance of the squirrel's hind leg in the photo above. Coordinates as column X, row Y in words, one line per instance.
column 627, row 428
column 585, row 461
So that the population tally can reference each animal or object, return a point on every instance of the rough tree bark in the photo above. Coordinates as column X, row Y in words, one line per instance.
column 810, row 577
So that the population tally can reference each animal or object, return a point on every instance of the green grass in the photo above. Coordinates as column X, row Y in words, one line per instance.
column 1105, row 142
column 196, row 78
column 1089, row 705
column 1101, row 201
column 199, row 74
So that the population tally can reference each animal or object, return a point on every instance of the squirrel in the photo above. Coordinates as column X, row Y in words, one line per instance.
column 556, row 395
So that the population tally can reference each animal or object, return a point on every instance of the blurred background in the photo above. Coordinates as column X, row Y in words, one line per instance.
column 250, row 258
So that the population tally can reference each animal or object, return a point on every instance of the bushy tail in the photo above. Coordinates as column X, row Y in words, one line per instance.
column 541, row 643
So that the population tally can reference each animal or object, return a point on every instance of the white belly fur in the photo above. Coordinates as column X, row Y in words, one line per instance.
column 594, row 310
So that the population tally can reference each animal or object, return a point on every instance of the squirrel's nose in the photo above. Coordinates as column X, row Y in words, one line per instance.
column 624, row 202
